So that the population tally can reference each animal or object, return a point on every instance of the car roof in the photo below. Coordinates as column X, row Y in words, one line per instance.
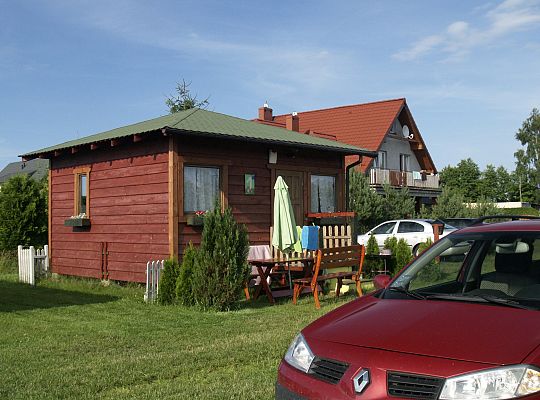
column 508, row 226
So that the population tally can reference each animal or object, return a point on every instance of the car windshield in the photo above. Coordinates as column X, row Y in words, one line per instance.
column 500, row 268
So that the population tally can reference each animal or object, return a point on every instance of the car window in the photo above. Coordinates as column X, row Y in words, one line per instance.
column 410, row 227
column 386, row 228
column 442, row 269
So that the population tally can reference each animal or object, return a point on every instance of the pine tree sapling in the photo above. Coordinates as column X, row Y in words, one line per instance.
column 167, row 282
column 221, row 268
column 371, row 265
column 403, row 255
column 184, row 283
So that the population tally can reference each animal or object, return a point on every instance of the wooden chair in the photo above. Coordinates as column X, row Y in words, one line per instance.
column 328, row 259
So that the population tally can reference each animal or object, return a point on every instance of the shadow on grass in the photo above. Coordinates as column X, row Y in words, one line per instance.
column 16, row 296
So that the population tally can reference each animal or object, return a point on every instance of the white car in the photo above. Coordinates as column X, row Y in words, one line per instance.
column 414, row 231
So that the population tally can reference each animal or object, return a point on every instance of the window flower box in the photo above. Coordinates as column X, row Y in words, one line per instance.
column 195, row 219
column 78, row 222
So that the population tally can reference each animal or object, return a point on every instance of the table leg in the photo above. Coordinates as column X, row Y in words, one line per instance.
column 264, row 284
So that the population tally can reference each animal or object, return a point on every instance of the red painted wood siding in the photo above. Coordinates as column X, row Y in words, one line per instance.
column 255, row 211
column 128, row 211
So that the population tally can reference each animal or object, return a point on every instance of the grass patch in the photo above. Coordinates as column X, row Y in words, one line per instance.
column 75, row 338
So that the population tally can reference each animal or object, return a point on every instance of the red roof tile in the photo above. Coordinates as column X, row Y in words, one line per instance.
column 362, row 125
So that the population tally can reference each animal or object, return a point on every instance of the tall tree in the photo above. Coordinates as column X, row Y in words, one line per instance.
column 489, row 183
column 23, row 213
column 464, row 178
column 364, row 202
column 504, row 184
column 528, row 158
column 398, row 203
column 184, row 100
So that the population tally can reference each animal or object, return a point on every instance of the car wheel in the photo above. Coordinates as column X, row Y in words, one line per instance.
column 416, row 250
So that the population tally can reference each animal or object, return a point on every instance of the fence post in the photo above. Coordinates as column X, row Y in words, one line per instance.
column 46, row 260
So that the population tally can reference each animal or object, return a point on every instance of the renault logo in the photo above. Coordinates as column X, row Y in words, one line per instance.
column 361, row 380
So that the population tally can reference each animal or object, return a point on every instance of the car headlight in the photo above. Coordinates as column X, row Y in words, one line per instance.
column 500, row 383
column 299, row 354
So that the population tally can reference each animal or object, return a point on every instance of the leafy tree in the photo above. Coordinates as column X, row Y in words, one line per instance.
column 504, row 184
column 184, row 100
column 367, row 204
column 23, row 213
column 489, row 183
column 464, row 177
column 450, row 204
column 528, row 158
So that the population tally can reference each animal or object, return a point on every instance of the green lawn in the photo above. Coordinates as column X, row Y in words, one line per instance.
column 78, row 339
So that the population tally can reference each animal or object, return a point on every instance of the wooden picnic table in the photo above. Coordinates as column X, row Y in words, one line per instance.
column 267, row 265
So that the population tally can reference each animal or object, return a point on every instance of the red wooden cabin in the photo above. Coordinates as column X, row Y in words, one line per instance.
column 123, row 197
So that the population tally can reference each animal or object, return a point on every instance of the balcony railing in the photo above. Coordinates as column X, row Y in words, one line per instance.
column 400, row 178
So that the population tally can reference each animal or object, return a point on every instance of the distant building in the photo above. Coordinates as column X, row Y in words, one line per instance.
column 385, row 127
column 36, row 169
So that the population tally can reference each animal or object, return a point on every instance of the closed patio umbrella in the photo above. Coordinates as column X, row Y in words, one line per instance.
column 285, row 234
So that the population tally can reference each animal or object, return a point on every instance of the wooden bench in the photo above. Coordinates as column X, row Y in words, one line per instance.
column 325, row 261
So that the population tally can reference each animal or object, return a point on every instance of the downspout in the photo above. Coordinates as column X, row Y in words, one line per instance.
column 349, row 167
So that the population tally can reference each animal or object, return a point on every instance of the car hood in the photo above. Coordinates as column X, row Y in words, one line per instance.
column 448, row 329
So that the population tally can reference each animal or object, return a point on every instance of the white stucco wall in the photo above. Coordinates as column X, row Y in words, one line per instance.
column 394, row 146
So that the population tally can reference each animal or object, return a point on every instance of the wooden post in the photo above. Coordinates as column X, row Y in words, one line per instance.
column 173, row 219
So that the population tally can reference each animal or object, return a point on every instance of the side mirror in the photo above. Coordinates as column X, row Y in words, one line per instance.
column 381, row 281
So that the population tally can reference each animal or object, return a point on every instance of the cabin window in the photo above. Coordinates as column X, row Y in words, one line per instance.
column 82, row 192
column 323, row 193
column 404, row 160
column 201, row 188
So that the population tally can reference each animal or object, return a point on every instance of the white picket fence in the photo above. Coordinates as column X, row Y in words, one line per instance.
column 32, row 263
column 153, row 272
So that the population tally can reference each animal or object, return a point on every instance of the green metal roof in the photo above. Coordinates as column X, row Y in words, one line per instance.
column 202, row 122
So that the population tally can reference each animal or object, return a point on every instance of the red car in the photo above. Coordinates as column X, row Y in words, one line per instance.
column 462, row 321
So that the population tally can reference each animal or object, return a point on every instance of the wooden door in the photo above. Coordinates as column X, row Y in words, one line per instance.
column 295, row 182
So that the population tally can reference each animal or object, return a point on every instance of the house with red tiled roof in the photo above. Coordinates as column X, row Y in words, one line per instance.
column 386, row 127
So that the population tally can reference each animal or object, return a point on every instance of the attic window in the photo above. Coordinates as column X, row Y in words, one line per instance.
column 396, row 127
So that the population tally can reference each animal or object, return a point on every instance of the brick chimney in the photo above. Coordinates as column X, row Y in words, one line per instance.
column 292, row 123
column 265, row 113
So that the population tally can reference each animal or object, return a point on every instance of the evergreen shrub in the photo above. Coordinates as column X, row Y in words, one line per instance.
column 184, row 284
column 167, row 282
column 403, row 255
column 221, row 268
column 371, row 265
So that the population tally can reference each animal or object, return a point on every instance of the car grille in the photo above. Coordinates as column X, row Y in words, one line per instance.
column 330, row 371
column 414, row 386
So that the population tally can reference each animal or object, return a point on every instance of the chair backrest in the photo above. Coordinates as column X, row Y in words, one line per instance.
column 339, row 257
column 276, row 253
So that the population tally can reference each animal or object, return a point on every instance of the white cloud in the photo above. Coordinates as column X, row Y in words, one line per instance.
column 460, row 38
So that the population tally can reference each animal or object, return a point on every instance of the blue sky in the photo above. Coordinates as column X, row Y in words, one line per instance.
column 470, row 70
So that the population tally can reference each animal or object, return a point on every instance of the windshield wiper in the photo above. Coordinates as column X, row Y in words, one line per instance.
column 401, row 289
column 479, row 299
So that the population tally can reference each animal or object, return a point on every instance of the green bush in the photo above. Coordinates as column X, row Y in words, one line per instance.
column 167, row 282
column 221, row 268
column 391, row 244
column 8, row 262
column 424, row 246
column 371, row 265
column 23, row 213
column 184, row 284
column 403, row 255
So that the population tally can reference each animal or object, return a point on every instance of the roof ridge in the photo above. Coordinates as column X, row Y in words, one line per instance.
column 346, row 106
column 187, row 116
